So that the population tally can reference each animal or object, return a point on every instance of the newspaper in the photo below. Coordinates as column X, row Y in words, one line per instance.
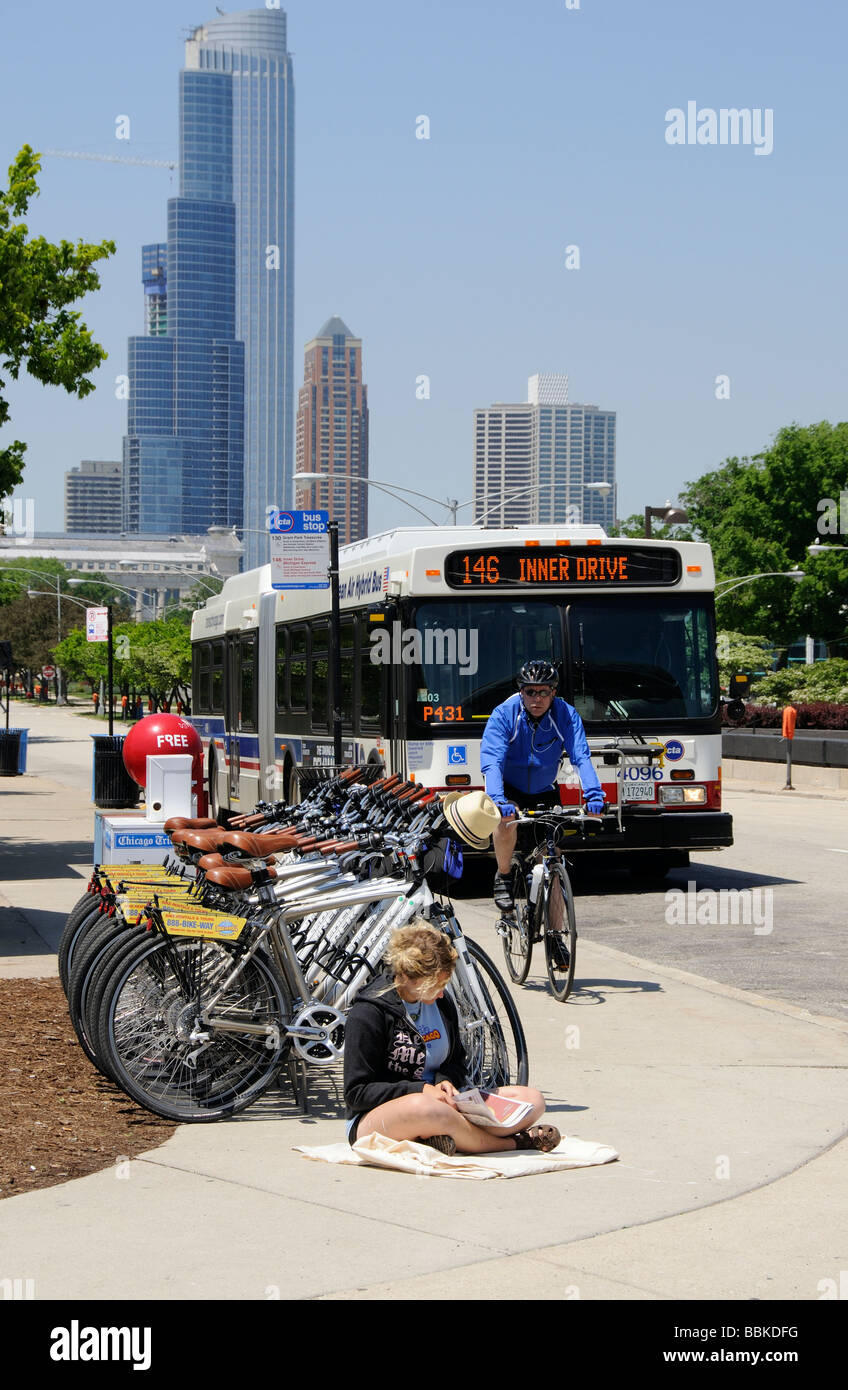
column 490, row 1110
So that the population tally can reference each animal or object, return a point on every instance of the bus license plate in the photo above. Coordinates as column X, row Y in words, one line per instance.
column 638, row 791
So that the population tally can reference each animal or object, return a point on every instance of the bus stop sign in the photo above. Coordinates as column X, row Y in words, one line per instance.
column 300, row 549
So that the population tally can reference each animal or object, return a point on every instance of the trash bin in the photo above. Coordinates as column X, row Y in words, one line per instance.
column 112, row 788
column 23, row 753
column 10, row 752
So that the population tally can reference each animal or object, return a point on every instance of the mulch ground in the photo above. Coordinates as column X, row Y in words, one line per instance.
column 59, row 1118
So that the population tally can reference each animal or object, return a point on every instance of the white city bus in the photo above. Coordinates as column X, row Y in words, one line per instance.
column 435, row 623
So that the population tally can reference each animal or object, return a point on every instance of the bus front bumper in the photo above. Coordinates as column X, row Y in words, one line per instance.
column 645, row 828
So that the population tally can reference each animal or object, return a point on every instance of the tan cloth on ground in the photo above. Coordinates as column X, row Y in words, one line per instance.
column 376, row 1150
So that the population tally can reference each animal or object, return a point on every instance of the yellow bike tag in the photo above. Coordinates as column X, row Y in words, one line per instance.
column 200, row 921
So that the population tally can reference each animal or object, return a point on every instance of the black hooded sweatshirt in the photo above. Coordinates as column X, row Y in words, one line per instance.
column 384, row 1055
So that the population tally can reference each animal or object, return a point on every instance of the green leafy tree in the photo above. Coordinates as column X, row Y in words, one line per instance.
column 823, row 680
column 759, row 515
column 740, row 655
column 38, row 281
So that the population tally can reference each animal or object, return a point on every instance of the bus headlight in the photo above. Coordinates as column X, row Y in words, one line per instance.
column 683, row 796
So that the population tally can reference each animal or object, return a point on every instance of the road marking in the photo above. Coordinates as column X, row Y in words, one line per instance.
column 831, row 850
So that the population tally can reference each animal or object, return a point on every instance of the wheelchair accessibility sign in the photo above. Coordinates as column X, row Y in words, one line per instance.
column 457, row 754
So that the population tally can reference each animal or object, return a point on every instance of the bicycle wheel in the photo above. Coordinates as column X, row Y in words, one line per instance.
column 150, row 1008
column 99, row 941
column 494, row 1044
column 73, row 934
column 515, row 928
column 560, row 933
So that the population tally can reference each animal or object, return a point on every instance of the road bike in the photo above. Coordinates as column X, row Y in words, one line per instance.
column 543, row 911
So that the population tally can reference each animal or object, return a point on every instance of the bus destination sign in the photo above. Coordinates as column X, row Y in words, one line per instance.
column 570, row 567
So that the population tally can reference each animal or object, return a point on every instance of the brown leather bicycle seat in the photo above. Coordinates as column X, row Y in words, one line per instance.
column 189, row 823
column 215, row 860
column 202, row 840
column 257, row 846
column 230, row 876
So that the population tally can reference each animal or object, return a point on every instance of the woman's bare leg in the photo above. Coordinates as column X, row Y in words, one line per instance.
column 420, row 1116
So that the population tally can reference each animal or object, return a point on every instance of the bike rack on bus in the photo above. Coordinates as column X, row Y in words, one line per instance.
column 619, row 754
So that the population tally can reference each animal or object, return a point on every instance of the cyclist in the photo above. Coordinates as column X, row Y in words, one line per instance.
column 520, row 752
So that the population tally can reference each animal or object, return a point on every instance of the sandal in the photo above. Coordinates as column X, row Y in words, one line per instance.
column 540, row 1137
column 444, row 1143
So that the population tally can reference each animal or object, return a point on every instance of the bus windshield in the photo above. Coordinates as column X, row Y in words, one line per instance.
column 467, row 655
column 625, row 659
column 642, row 658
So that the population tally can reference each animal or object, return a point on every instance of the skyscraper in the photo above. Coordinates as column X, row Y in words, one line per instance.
column 93, row 498
column 535, row 463
column 210, row 418
column 332, row 429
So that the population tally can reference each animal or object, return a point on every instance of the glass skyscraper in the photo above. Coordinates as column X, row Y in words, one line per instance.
column 210, row 419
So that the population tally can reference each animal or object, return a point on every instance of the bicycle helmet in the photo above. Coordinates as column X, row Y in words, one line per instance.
column 538, row 673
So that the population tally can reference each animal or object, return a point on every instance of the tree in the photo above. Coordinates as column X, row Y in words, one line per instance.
column 739, row 654
column 634, row 527
column 38, row 280
column 759, row 515
column 31, row 625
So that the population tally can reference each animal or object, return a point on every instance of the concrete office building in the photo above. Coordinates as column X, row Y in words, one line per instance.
column 332, row 429
column 210, row 408
column 534, row 461
column 93, row 494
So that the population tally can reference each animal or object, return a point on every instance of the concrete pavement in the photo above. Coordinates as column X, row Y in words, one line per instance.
column 728, row 1111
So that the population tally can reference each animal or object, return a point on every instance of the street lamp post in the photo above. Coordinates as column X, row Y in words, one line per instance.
column 672, row 516
column 735, row 583
column 452, row 505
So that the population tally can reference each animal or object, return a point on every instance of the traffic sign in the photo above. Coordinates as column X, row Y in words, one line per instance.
column 300, row 549
column 48, row 672
column 97, row 624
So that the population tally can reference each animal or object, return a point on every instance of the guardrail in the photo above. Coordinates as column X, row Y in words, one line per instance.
column 810, row 747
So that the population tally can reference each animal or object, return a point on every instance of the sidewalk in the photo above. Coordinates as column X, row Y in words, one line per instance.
column 727, row 1110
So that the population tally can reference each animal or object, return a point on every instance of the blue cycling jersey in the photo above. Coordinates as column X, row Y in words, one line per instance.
column 526, row 752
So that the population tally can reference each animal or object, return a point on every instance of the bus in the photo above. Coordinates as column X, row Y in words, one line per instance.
column 434, row 624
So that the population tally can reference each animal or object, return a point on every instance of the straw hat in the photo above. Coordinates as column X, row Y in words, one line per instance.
column 473, row 815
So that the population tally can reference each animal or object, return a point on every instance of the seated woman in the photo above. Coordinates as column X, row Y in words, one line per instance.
column 404, row 1062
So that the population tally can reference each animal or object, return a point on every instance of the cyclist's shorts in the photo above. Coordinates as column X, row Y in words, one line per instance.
column 522, row 800
column 351, row 1129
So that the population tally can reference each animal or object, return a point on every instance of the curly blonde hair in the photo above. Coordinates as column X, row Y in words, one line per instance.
column 421, row 955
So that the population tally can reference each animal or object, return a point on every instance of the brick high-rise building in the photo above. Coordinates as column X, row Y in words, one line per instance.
column 332, row 429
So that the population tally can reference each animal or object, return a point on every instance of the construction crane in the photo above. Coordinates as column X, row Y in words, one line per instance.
column 113, row 158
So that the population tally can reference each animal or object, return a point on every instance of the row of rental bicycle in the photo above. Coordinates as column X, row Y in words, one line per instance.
column 192, row 984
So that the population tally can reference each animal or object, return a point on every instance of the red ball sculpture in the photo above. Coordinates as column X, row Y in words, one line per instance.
column 159, row 734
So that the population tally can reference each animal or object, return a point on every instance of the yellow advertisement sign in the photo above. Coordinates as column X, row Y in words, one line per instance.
column 140, row 873
column 200, row 921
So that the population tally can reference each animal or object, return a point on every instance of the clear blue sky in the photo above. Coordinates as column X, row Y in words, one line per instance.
column 447, row 256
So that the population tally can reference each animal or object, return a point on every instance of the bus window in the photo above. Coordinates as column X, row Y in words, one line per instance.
column 641, row 658
column 247, row 683
column 320, row 676
column 470, row 652
column 348, row 631
column 281, row 670
column 216, row 696
column 297, row 668
column 200, row 683
column 370, row 678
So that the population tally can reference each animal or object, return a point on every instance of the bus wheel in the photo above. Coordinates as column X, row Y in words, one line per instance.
column 291, row 782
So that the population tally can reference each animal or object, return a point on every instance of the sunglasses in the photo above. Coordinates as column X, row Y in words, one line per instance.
column 533, row 693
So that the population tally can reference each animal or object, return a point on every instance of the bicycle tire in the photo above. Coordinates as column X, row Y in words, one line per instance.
column 94, row 986
column 73, row 933
column 516, row 929
column 90, row 954
column 145, row 1018
column 496, row 1050
column 560, row 938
